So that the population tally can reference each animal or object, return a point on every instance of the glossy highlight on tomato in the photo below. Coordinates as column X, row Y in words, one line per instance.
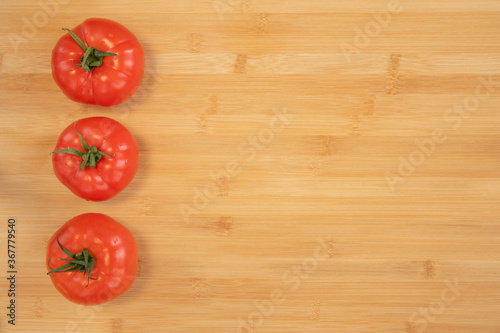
column 108, row 245
column 96, row 158
column 104, row 65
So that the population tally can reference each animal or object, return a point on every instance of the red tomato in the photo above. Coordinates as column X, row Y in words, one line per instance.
column 98, row 62
column 96, row 158
column 92, row 259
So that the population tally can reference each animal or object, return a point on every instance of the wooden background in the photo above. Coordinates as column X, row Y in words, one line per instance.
column 409, row 237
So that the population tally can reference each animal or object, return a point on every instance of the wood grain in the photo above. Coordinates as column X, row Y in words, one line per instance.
column 305, row 166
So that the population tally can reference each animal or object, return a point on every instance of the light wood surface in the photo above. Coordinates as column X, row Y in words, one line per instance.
column 371, row 206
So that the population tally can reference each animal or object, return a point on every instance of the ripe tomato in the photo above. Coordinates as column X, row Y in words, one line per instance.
column 96, row 158
column 98, row 62
column 92, row 259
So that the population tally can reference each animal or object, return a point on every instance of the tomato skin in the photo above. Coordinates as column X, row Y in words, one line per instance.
column 111, row 174
column 109, row 84
column 114, row 249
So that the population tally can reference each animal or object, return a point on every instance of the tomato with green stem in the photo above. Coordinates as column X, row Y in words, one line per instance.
column 98, row 62
column 96, row 158
column 92, row 259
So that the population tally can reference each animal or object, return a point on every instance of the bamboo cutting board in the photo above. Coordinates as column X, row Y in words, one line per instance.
column 305, row 166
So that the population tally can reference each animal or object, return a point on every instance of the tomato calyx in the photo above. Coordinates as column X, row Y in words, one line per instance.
column 90, row 156
column 83, row 262
column 92, row 57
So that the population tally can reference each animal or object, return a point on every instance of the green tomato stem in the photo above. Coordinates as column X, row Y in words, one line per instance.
column 92, row 57
column 90, row 156
column 81, row 262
